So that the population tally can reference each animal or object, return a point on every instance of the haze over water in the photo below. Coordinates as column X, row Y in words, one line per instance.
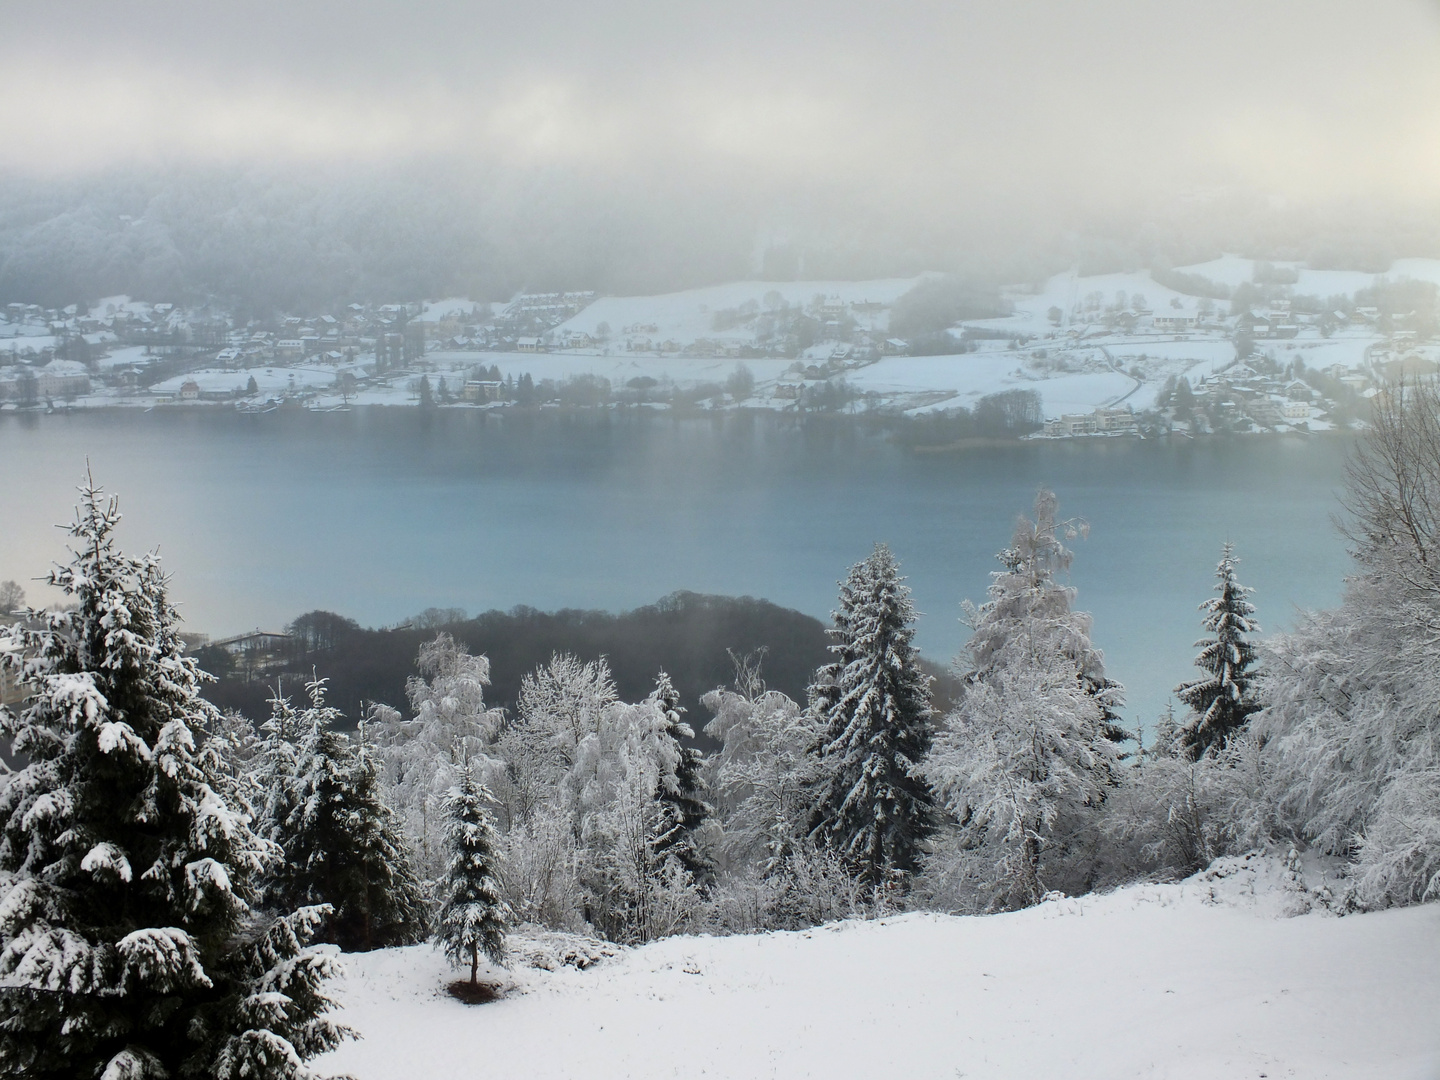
column 378, row 514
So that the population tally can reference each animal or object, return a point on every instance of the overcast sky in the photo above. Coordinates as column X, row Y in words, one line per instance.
column 928, row 105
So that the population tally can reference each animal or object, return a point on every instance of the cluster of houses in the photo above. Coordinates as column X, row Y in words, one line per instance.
column 1240, row 394
column 1112, row 421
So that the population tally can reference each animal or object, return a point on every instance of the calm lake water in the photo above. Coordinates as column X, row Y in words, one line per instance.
column 380, row 513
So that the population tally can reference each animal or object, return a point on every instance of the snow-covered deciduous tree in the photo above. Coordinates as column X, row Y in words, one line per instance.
column 560, row 705
column 1223, row 701
column 635, row 892
column 680, row 789
column 871, row 803
column 129, row 943
column 1029, row 750
column 763, row 774
column 420, row 759
column 474, row 916
column 1352, row 696
column 340, row 841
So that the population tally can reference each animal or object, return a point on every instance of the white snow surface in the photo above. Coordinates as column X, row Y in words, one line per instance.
column 1214, row 977
column 687, row 316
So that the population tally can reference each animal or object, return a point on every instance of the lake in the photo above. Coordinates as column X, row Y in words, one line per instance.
column 378, row 513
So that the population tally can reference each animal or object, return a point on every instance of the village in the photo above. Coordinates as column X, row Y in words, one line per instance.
column 1228, row 347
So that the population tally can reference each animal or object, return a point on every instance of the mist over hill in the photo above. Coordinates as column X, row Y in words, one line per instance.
column 268, row 238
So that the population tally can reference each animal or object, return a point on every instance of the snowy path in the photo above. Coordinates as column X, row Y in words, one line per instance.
column 1147, row 982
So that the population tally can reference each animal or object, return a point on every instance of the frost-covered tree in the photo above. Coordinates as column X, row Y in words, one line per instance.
column 634, row 890
column 12, row 598
column 559, row 706
column 341, row 843
column 474, row 916
column 763, row 774
column 1223, row 701
column 420, row 759
column 871, row 804
column 130, row 946
column 1029, row 749
column 680, row 789
column 1351, row 698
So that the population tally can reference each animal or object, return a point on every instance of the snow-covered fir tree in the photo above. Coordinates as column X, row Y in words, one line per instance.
column 1029, row 750
column 474, row 916
column 871, row 804
column 341, row 844
column 130, row 946
column 681, row 790
column 1223, row 701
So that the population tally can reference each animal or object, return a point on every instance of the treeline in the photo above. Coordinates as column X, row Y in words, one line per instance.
column 692, row 636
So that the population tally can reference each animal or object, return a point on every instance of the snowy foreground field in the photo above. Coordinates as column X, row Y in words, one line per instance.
column 1213, row 977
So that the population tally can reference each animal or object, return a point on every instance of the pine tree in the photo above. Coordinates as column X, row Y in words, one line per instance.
column 680, row 790
column 1223, row 701
column 341, row 845
column 1029, row 750
column 873, row 699
column 129, row 946
column 474, row 917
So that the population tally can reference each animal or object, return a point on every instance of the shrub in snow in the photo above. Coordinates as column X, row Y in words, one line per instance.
column 340, row 842
column 541, row 870
column 871, row 804
column 129, row 946
column 1027, row 757
column 1171, row 815
column 474, row 916
column 1223, row 701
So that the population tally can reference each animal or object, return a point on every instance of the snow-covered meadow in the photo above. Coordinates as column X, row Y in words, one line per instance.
column 1213, row 977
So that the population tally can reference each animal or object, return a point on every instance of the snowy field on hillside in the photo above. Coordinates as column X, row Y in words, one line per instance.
column 689, row 315
column 1215, row 977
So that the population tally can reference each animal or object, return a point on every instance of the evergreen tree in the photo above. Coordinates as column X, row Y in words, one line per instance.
column 341, row 845
column 681, row 790
column 129, row 946
column 873, row 699
column 1029, row 750
column 474, row 917
column 1223, row 701
column 427, row 398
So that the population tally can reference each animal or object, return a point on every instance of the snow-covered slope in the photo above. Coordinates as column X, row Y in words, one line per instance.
column 1204, row 979
column 689, row 315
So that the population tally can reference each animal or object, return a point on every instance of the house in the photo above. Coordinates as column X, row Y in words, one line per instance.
column 1175, row 322
column 289, row 349
column 62, row 379
column 1072, row 424
column 788, row 391
column 189, row 390
column 1265, row 411
column 1296, row 410
column 1114, row 420
column 479, row 391
column 528, row 345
